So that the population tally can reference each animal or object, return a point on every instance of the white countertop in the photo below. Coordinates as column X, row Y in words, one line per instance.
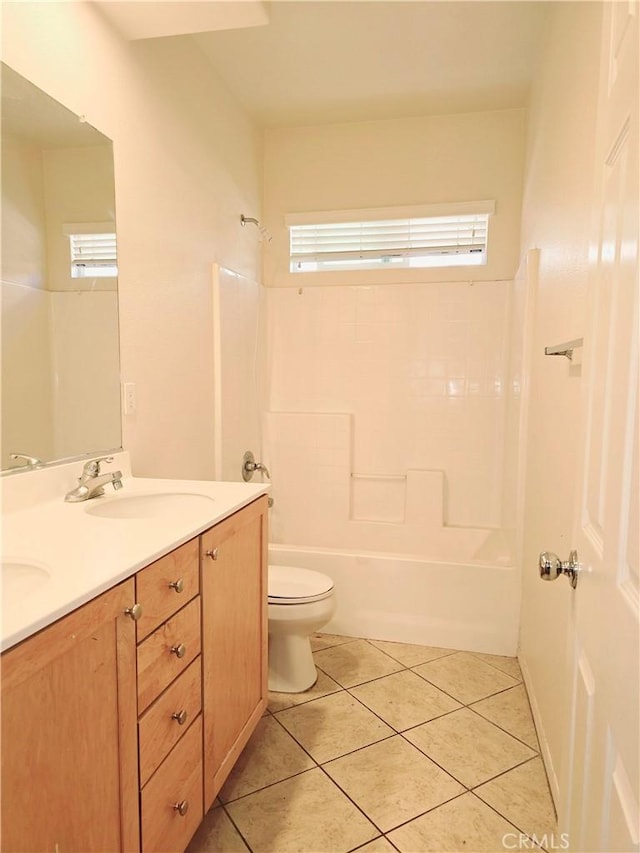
column 85, row 554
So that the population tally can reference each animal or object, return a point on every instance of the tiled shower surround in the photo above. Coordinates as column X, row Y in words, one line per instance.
column 387, row 412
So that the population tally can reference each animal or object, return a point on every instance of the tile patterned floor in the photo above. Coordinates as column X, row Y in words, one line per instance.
column 396, row 748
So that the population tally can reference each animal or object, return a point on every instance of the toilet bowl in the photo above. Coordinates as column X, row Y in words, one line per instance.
column 300, row 602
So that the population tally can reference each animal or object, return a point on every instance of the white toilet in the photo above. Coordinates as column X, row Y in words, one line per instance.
column 300, row 602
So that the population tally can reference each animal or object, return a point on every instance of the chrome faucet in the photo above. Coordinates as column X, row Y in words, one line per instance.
column 91, row 482
column 29, row 461
column 249, row 466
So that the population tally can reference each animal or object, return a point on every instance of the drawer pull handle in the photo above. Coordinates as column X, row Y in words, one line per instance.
column 182, row 808
column 213, row 553
column 178, row 585
column 135, row 612
column 179, row 651
column 180, row 717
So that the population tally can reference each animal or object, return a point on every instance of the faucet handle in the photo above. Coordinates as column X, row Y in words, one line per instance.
column 92, row 467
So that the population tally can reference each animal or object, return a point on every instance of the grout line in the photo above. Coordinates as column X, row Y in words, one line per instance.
column 236, row 827
column 357, row 749
column 503, row 773
column 360, row 846
column 437, row 763
column 473, row 701
column 508, row 820
column 360, row 683
column 503, row 729
column 321, row 764
column 427, row 811
column 270, row 785
column 450, row 695
column 353, row 802
column 495, row 666
column 306, row 751
column 345, row 641
column 431, row 720
column 446, row 653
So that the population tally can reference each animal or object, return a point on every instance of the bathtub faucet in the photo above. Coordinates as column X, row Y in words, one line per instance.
column 249, row 466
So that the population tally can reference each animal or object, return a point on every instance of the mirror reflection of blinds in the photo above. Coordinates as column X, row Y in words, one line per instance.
column 378, row 240
column 93, row 254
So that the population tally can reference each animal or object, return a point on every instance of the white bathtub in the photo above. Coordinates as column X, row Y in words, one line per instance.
column 472, row 605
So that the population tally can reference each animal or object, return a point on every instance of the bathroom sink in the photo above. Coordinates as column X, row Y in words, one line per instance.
column 20, row 577
column 161, row 505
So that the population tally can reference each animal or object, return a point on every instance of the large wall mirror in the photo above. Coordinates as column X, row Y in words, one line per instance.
column 60, row 392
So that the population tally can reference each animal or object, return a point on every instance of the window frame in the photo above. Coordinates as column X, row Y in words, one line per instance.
column 402, row 257
column 101, row 264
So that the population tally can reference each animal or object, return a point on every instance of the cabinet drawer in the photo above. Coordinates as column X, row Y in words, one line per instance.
column 158, row 729
column 154, row 592
column 177, row 780
column 159, row 662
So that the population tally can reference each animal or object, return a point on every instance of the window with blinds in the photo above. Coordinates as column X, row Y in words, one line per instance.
column 93, row 255
column 456, row 239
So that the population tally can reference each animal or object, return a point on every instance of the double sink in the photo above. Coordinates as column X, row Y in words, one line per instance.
column 57, row 556
column 21, row 577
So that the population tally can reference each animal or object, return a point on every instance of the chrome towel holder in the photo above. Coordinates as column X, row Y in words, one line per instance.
column 565, row 349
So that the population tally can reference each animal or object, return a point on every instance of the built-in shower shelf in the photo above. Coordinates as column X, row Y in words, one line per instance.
column 565, row 349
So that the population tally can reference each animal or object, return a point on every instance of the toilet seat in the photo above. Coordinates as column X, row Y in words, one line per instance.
column 292, row 585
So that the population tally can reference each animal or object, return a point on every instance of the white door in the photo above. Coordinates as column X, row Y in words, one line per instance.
column 601, row 809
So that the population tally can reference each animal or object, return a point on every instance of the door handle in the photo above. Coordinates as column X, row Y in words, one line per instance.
column 551, row 567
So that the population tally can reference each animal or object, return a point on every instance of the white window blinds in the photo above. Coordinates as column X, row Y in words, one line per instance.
column 93, row 250
column 410, row 241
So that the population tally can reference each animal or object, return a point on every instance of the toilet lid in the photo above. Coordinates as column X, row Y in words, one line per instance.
column 297, row 586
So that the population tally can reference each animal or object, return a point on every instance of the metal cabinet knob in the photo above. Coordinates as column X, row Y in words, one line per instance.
column 182, row 808
column 135, row 612
column 178, row 585
column 212, row 553
column 551, row 567
column 179, row 651
column 180, row 717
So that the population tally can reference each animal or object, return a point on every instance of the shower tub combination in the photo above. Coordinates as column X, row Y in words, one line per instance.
column 400, row 572
column 466, row 602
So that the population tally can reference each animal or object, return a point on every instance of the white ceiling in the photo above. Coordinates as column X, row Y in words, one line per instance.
column 323, row 61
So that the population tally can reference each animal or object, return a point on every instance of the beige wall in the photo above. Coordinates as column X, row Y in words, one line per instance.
column 556, row 218
column 26, row 392
column 24, row 250
column 78, row 187
column 187, row 164
column 413, row 161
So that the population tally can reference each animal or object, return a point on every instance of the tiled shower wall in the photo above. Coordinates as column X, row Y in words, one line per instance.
column 386, row 411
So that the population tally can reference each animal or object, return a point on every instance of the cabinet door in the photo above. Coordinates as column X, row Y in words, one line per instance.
column 234, row 638
column 69, row 763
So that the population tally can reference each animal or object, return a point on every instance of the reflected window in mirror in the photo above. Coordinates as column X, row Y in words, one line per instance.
column 92, row 252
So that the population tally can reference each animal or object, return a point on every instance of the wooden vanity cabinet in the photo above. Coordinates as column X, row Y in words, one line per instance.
column 233, row 559
column 69, row 748
column 170, row 699
column 118, row 730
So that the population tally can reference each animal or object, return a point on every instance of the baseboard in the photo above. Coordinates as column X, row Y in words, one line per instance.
column 544, row 744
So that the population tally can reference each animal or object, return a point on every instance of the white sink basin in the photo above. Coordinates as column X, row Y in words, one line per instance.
column 19, row 578
column 161, row 505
